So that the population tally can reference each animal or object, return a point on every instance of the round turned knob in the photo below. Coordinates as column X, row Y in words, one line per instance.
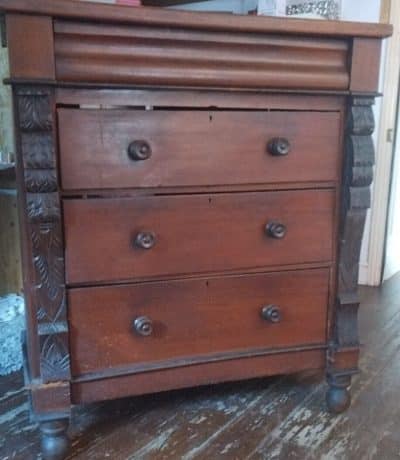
column 145, row 240
column 143, row 326
column 279, row 146
column 271, row 313
column 276, row 230
column 139, row 150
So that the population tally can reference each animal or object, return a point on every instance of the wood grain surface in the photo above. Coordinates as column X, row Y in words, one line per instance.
column 195, row 233
column 195, row 318
column 30, row 42
column 164, row 56
column 196, row 148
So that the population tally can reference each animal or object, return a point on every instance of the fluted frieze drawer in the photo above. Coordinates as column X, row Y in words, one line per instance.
column 179, row 57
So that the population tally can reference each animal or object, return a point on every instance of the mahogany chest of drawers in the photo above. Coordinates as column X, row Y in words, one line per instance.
column 193, row 190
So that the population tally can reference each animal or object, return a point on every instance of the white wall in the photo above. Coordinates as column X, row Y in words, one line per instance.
column 361, row 10
column 352, row 10
column 365, row 11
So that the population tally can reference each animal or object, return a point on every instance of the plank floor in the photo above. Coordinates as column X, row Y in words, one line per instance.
column 277, row 418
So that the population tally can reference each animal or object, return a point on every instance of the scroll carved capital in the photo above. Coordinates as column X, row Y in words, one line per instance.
column 356, row 199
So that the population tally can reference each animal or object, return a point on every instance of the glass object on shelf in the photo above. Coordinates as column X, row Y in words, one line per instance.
column 313, row 9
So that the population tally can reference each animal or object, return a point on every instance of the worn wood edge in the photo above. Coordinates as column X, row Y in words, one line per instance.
column 344, row 359
column 209, row 21
column 105, row 193
column 191, row 361
column 51, row 401
column 197, row 375
column 193, row 99
column 204, row 275
column 115, row 86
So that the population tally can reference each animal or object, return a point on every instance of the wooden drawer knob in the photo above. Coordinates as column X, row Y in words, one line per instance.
column 276, row 230
column 143, row 326
column 145, row 240
column 139, row 150
column 271, row 313
column 278, row 146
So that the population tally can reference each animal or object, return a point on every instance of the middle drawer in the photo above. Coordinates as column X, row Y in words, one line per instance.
column 154, row 236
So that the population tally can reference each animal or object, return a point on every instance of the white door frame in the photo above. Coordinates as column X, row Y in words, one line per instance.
column 384, row 154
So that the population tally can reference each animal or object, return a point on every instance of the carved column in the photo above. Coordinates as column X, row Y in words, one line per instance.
column 356, row 198
column 48, row 366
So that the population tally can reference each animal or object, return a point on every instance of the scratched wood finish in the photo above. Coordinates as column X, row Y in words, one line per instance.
column 195, row 233
column 179, row 57
column 279, row 416
column 195, row 148
column 217, row 317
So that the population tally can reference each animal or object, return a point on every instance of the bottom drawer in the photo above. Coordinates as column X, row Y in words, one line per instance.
column 141, row 327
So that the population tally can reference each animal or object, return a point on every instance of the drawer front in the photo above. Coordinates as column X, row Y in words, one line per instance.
column 186, row 56
column 179, row 322
column 121, row 149
column 122, row 239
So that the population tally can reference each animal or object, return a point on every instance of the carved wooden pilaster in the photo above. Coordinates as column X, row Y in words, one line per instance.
column 356, row 199
column 43, row 230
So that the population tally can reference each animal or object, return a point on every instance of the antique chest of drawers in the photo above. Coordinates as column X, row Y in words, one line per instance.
column 193, row 191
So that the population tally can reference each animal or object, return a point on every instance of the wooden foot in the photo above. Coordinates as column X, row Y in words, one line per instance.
column 338, row 398
column 55, row 442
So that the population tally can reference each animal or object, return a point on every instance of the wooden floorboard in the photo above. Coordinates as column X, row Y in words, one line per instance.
column 281, row 418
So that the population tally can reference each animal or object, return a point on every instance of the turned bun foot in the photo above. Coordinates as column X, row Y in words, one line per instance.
column 55, row 442
column 338, row 398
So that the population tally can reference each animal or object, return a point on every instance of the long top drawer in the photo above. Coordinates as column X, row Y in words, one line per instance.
column 136, row 148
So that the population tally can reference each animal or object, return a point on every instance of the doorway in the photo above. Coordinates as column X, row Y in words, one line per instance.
column 392, row 251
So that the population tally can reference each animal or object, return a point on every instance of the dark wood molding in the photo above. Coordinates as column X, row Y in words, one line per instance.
column 200, row 374
column 356, row 198
column 46, row 295
column 193, row 361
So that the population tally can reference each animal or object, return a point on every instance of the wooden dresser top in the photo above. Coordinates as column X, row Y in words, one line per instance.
column 72, row 9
